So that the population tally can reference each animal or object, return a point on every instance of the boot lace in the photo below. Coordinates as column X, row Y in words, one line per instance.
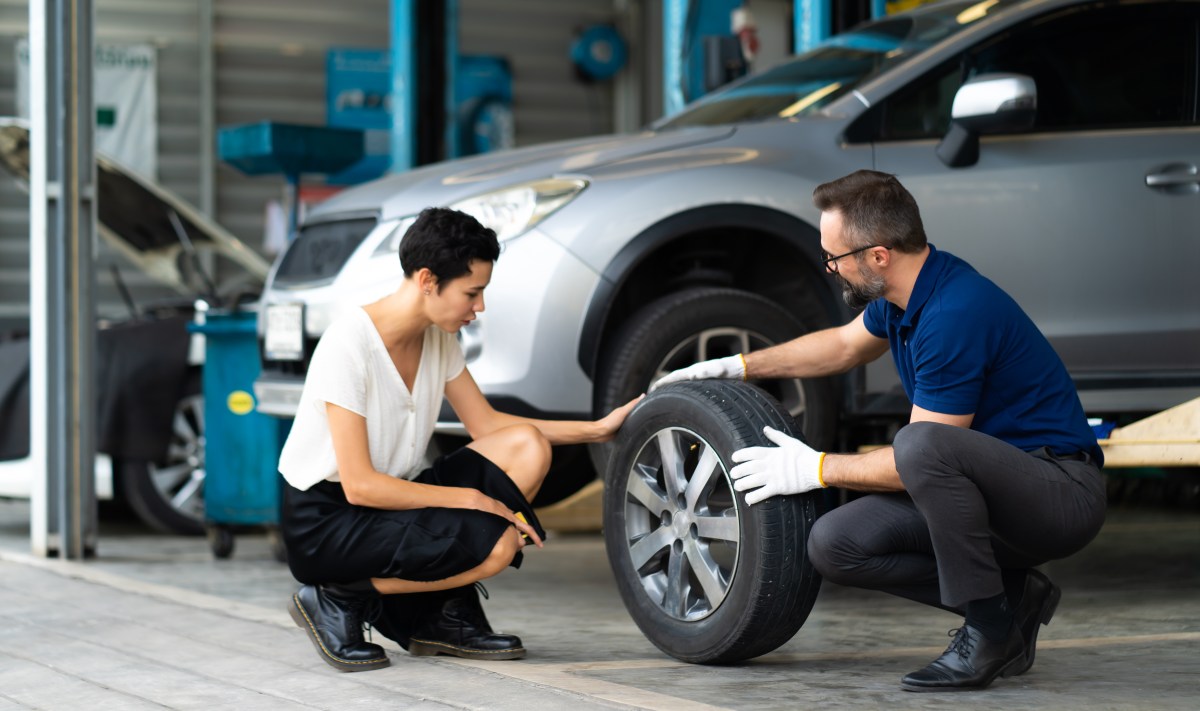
column 368, row 609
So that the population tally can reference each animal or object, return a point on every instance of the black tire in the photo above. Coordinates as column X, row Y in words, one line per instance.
column 700, row 324
column 168, row 496
column 702, row 589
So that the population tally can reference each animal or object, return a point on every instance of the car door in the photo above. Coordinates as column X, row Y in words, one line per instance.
column 1090, row 218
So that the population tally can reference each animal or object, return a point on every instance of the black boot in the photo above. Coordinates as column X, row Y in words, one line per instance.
column 459, row 628
column 333, row 616
column 1037, row 606
column 971, row 661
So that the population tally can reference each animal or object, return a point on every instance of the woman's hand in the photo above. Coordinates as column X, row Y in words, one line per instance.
column 608, row 425
column 482, row 502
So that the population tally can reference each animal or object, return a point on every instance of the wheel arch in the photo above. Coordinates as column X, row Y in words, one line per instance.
column 694, row 248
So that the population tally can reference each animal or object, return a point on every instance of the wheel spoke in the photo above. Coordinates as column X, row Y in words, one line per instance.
column 649, row 544
column 721, row 528
column 675, row 599
column 188, row 497
column 707, row 573
column 706, row 468
column 744, row 341
column 672, row 464
column 169, row 477
column 641, row 491
column 182, row 428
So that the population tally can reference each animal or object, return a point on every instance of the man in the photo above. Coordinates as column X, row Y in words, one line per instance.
column 997, row 470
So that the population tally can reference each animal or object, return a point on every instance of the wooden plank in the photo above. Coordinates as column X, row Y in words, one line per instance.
column 1170, row 438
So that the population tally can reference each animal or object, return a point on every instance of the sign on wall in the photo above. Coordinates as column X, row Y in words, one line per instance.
column 126, row 101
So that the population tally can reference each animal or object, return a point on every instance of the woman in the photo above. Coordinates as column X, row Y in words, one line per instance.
column 371, row 536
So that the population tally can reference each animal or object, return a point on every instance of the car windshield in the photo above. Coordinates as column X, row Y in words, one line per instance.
column 835, row 67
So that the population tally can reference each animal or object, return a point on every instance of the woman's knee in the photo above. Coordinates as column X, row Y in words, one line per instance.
column 530, row 445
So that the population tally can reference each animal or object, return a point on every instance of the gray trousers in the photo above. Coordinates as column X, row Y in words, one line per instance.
column 973, row 508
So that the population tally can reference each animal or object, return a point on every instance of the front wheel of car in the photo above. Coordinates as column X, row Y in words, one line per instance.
column 168, row 496
column 700, row 324
column 707, row 578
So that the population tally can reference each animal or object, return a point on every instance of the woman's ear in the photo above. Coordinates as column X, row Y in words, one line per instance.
column 426, row 280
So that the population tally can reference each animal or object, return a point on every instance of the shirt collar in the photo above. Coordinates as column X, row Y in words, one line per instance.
column 931, row 271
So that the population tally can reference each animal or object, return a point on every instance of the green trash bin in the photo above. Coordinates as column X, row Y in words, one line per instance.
column 242, row 483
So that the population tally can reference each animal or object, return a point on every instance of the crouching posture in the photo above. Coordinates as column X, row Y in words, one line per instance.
column 997, row 471
column 373, row 537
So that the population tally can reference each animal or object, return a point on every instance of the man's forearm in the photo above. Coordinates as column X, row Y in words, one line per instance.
column 813, row 355
column 873, row 471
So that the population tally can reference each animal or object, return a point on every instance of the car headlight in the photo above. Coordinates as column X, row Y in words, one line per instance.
column 513, row 210
column 509, row 211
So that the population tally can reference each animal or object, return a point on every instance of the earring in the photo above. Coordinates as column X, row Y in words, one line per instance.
column 427, row 292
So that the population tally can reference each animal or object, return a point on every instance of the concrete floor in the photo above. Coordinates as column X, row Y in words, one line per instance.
column 1127, row 634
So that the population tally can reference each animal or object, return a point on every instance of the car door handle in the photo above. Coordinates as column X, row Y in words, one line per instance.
column 1173, row 175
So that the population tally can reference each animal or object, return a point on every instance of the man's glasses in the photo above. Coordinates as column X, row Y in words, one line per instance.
column 831, row 262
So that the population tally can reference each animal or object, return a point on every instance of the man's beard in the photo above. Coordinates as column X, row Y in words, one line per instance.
column 857, row 296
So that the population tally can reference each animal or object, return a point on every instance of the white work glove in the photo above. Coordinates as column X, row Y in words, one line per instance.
column 733, row 367
column 791, row 468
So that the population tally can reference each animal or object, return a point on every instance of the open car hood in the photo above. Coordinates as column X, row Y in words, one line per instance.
column 134, row 217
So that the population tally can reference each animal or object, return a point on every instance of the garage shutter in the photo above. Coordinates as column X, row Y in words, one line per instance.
column 269, row 61
column 549, row 103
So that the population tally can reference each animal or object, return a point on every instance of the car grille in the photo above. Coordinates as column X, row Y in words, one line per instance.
column 320, row 250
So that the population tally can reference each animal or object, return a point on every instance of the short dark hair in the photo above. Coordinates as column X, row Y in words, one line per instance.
column 875, row 209
column 446, row 242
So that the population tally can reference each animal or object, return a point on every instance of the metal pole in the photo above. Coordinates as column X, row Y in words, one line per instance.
column 404, row 87
column 208, row 111
column 627, row 88
column 452, row 128
column 812, row 23
column 62, row 263
column 674, row 17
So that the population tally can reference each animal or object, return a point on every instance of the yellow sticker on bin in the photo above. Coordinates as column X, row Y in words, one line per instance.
column 240, row 402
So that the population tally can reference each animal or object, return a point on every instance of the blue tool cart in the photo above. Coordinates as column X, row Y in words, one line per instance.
column 241, row 485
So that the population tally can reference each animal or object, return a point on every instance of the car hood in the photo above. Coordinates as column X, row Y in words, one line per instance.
column 445, row 183
column 134, row 216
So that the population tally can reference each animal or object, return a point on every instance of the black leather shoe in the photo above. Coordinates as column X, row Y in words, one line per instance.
column 971, row 661
column 1039, row 600
column 459, row 628
column 333, row 616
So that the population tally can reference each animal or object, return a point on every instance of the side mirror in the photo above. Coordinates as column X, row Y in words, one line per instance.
column 988, row 103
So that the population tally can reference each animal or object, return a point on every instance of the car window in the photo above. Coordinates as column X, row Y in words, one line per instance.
column 1114, row 66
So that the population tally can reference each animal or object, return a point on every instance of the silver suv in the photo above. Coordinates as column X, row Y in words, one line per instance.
column 1054, row 144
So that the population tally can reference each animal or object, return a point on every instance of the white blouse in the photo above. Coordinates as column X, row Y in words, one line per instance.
column 351, row 368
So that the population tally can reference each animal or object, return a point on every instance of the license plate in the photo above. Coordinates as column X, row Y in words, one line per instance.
column 285, row 332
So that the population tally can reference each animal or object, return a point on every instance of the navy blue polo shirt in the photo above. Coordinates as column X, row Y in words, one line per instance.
column 964, row 346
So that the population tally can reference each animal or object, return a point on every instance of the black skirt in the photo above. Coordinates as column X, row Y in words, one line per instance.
column 330, row 540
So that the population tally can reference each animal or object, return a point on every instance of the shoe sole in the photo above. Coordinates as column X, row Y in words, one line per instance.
column 431, row 648
column 1004, row 672
column 1048, row 610
column 304, row 622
